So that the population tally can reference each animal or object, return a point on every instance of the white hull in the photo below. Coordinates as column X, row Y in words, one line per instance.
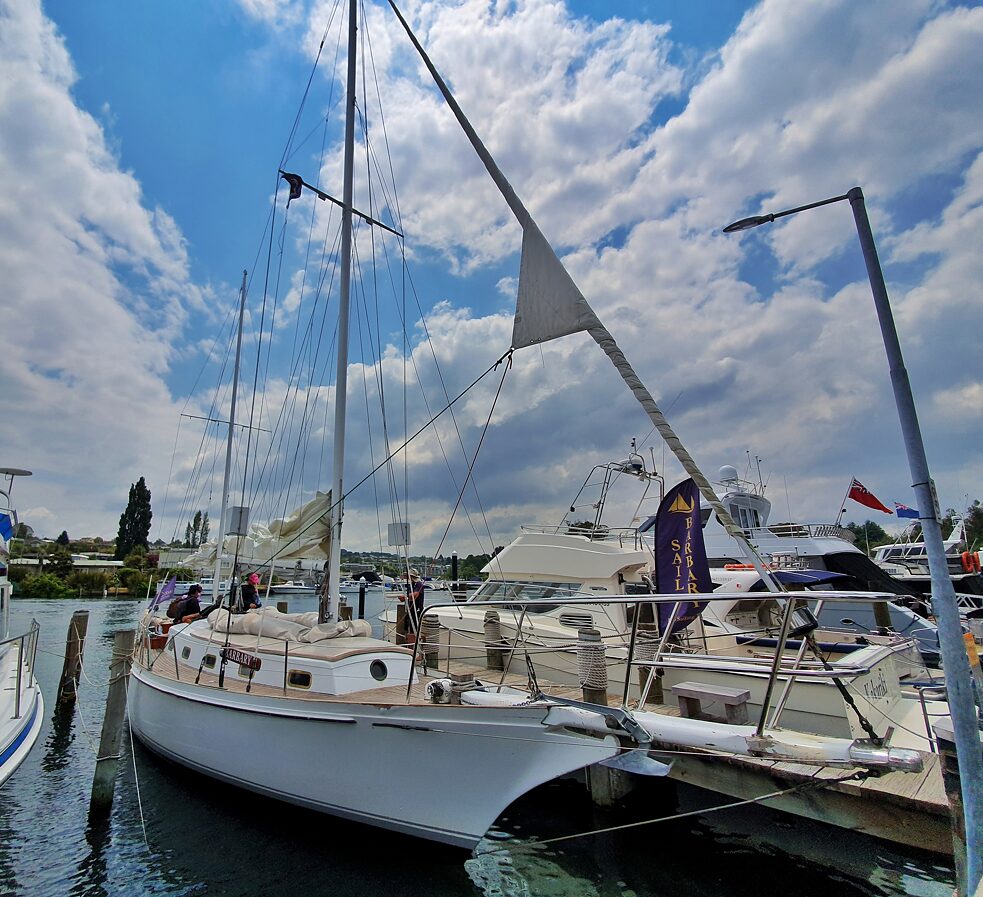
column 293, row 590
column 402, row 768
column 18, row 733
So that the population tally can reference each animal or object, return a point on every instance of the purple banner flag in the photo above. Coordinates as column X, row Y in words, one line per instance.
column 680, row 556
column 165, row 594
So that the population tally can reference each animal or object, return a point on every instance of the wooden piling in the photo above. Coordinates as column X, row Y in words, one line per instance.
column 607, row 786
column 104, row 780
column 74, row 646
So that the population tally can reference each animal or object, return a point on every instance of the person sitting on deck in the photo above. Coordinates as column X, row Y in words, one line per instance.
column 248, row 597
column 183, row 610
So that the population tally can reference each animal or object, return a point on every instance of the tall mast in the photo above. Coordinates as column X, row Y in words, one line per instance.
column 228, row 448
column 329, row 600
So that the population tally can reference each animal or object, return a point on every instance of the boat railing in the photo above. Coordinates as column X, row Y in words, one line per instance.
column 802, row 531
column 638, row 648
column 652, row 650
column 26, row 646
column 625, row 536
column 928, row 693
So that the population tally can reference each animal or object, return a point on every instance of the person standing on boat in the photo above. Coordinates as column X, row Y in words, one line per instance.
column 249, row 595
column 414, row 605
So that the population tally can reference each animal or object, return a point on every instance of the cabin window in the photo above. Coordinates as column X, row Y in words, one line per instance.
column 209, row 661
column 185, row 652
column 705, row 516
column 299, row 679
column 244, row 671
column 378, row 670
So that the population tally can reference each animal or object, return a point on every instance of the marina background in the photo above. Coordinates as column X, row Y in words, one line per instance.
column 204, row 838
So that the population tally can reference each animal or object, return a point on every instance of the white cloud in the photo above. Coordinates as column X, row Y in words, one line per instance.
column 94, row 289
column 766, row 341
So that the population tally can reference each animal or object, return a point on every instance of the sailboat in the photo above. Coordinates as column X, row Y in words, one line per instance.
column 274, row 702
column 21, row 703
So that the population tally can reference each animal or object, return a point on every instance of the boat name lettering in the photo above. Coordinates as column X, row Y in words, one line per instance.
column 876, row 689
column 233, row 655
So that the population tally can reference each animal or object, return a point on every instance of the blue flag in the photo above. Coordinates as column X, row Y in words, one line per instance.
column 165, row 594
column 904, row 511
column 680, row 556
column 6, row 527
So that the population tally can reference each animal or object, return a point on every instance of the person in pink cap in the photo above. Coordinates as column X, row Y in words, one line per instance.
column 249, row 594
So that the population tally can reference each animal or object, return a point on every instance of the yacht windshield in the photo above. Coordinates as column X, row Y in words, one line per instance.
column 528, row 591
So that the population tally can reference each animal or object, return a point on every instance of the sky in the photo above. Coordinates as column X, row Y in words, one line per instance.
column 139, row 148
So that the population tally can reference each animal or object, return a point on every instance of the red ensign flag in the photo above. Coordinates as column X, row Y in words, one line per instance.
column 860, row 493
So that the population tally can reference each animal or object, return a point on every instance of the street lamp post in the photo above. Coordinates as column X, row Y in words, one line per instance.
column 958, row 674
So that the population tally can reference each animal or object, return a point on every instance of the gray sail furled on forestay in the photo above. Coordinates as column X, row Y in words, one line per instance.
column 550, row 305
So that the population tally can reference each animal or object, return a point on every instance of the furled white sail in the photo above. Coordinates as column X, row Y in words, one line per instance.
column 304, row 533
column 549, row 304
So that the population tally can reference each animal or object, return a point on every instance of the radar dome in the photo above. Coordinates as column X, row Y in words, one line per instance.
column 728, row 474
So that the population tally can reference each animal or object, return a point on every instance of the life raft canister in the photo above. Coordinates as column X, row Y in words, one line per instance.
column 971, row 561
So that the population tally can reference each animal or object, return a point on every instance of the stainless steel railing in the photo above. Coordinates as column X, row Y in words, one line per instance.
column 26, row 647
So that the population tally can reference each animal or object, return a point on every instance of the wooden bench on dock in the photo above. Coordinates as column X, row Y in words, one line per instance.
column 691, row 696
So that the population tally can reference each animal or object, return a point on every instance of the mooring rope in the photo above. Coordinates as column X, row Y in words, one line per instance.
column 802, row 786
column 133, row 758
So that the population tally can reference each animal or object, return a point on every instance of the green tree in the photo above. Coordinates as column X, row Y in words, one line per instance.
column 63, row 538
column 196, row 532
column 60, row 562
column 470, row 567
column 137, row 559
column 974, row 525
column 134, row 522
column 45, row 585
column 869, row 534
column 134, row 581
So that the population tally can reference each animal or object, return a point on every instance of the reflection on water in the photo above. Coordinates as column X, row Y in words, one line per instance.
column 206, row 838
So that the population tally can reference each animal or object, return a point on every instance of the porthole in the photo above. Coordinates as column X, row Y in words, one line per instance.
column 185, row 652
column 378, row 670
column 209, row 661
column 299, row 679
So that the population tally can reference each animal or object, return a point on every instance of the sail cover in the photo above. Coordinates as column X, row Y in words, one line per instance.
column 549, row 305
column 304, row 533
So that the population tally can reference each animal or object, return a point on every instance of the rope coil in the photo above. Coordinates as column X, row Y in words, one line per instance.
column 591, row 667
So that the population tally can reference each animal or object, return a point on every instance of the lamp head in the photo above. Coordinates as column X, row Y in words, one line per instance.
column 748, row 223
